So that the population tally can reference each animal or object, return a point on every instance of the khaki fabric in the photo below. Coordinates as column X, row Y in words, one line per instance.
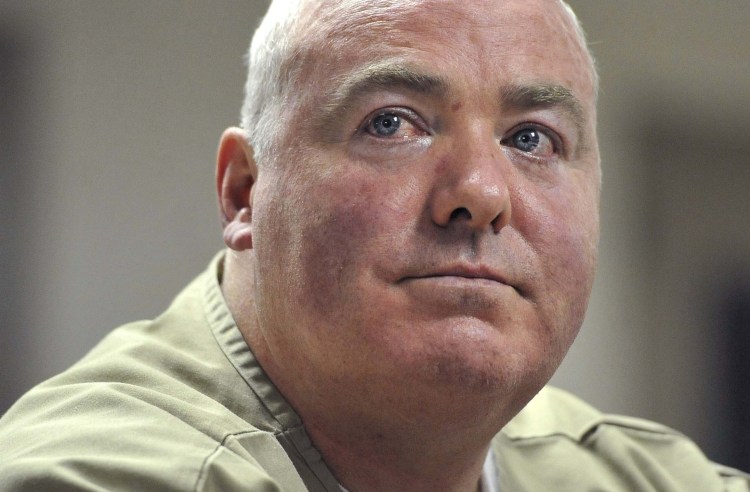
column 179, row 403
column 560, row 443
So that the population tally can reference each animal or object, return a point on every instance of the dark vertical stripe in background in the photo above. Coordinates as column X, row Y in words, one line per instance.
column 736, row 324
column 15, row 211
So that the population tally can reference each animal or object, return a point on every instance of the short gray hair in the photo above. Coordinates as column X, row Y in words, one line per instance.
column 271, row 67
column 265, row 88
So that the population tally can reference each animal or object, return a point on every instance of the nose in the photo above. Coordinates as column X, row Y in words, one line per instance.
column 473, row 189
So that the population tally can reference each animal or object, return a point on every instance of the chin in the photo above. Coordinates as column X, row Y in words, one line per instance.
column 480, row 395
column 485, row 370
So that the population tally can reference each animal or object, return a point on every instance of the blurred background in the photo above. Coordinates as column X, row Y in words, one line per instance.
column 110, row 113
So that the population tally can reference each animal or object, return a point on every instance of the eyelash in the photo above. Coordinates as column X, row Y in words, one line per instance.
column 557, row 142
column 406, row 114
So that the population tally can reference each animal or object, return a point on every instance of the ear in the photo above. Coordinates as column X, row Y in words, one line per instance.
column 236, row 174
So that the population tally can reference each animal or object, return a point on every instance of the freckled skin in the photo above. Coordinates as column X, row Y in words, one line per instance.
column 359, row 347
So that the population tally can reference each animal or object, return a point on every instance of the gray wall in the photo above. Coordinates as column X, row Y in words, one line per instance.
column 108, row 204
column 674, row 120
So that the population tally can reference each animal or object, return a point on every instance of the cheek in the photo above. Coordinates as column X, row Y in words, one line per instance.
column 562, row 227
column 333, row 231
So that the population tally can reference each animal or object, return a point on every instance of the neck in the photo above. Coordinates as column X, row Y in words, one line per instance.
column 401, row 461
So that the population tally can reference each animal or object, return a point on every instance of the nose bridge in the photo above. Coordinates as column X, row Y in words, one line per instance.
column 473, row 188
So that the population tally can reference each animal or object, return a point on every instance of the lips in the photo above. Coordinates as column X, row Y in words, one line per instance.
column 464, row 271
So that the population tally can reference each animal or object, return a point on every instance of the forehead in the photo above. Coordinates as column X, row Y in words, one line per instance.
column 509, row 41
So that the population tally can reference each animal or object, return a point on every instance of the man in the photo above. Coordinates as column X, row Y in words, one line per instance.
column 411, row 215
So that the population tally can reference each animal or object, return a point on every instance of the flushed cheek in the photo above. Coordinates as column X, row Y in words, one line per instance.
column 354, row 225
column 561, row 226
column 570, row 272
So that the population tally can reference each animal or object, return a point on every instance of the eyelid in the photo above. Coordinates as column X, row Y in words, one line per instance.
column 558, row 141
column 403, row 112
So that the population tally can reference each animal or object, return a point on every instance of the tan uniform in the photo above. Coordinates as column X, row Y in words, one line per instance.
column 180, row 403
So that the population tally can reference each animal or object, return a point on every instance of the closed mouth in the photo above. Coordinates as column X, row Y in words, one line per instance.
column 471, row 272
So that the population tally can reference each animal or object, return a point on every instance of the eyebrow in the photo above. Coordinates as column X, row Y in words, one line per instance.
column 388, row 76
column 535, row 96
column 382, row 77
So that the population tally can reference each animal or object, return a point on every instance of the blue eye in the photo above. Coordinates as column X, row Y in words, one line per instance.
column 385, row 124
column 393, row 126
column 533, row 141
column 527, row 140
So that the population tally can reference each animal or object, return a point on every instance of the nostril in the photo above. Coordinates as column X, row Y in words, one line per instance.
column 461, row 212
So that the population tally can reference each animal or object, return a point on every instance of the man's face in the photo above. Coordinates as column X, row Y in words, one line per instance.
column 429, row 231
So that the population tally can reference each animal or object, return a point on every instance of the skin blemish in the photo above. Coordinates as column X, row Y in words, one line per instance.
column 456, row 106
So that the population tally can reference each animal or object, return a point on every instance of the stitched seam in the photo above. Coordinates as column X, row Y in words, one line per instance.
column 203, row 471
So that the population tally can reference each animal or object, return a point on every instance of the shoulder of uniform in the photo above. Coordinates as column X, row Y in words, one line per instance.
column 554, row 412
column 563, row 424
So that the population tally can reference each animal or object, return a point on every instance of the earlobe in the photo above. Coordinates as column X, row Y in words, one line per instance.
column 236, row 174
column 238, row 233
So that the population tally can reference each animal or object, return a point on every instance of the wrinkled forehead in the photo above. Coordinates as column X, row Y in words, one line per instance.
column 332, row 34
